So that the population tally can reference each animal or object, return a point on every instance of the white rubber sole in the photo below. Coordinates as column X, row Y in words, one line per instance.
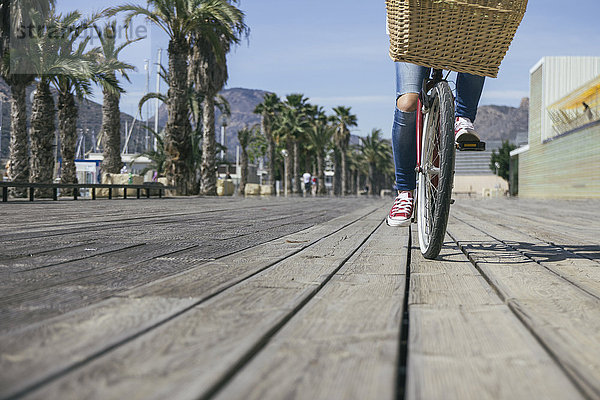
column 394, row 223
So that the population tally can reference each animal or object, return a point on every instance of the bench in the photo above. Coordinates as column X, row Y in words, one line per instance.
column 93, row 186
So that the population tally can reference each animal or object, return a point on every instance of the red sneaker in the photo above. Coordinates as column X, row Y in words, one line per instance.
column 402, row 210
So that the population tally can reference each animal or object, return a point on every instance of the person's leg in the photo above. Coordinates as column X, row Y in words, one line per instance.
column 409, row 79
column 468, row 93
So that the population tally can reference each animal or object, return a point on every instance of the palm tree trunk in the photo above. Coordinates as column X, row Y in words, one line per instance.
column 307, row 161
column 67, row 128
column 195, row 171
column 297, row 177
column 209, row 174
column 288, row 172
column 111, row 133
column 337, row 173
column 321, row 171
column 177, row 131
column 244, row 172
column 344, row 168
column 357, row 182
column 270, row 153
column 42, row 138
column 18, row 167
column 371, row 179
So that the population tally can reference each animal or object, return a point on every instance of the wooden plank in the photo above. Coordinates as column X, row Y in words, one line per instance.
column 564, row 318
column 44, row 350
column 234, row 268
column 51, row 291
column 577, row 232
column 68, row 217
column 23, row 269
column 465, row 343
column 12, row 250
column 45, row 217
column 168, row 240
column 579, row 229
column 343, row 344
column 577, row 269
column 100, row 281
column 187, row 355
column 34, row 355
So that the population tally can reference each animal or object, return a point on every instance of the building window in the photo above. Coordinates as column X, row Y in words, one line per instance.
column 576, row 110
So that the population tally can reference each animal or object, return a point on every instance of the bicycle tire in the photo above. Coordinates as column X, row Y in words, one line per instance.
column 436, row 175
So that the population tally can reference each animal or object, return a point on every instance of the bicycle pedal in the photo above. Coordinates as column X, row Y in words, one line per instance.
column 470, row 146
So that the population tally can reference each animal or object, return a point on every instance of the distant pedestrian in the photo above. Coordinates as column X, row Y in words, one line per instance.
column 307, row 182
column 124, row 169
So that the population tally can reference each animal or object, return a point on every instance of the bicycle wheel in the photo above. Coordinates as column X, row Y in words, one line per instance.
column 436, row 175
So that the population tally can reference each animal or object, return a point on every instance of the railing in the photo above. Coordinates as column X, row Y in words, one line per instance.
column 148, row 187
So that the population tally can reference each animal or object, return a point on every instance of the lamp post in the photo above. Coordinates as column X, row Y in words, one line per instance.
column 156, row 110
column 284, row 153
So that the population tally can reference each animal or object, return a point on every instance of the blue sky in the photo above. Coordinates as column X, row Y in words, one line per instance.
column 335, row 52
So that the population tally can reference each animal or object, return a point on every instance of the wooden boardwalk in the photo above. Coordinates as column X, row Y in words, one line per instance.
column 297, row 299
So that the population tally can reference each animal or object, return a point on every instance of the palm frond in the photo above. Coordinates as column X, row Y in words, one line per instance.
column 149, row 96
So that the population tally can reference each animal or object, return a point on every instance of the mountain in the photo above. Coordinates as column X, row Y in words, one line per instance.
column 502, row 122
column 242, row 103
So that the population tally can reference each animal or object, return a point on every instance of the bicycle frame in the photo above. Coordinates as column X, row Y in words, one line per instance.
column 423, row 101
column 419, row 132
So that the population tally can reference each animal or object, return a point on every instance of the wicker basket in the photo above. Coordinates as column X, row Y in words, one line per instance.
column 458, row 35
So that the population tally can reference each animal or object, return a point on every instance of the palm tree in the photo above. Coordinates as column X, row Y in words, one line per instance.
column 18, row 164
column 319, row 138
column 42, row 136
column 14, row 69
column 296, row 127
column 208, row 65
column 15, row 14
column 354, row 161
column 47, row 61
column 177, row 18
column 268, row 110
column 72, row 83
column 108, row 62
column 56, row 63
column 378, row 155
column 344, row 120
column 245, row 136
column 292, row 124
column 157, row 156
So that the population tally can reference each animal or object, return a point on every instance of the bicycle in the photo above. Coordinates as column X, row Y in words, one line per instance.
column 436, row 149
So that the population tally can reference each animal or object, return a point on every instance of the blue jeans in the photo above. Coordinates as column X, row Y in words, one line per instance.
column 409, row 79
